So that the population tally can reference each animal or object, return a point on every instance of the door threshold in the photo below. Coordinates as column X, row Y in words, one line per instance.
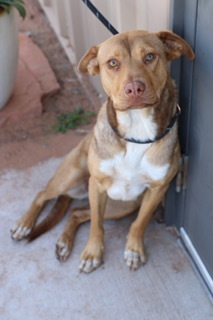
column 197, row 262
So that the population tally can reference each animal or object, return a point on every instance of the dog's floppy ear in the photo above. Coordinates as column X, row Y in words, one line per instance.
column 175, row 46
column 89, row 62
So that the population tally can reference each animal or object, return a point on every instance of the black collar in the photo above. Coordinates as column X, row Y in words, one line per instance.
column 168, row 129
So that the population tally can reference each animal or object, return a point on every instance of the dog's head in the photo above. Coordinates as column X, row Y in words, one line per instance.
column 133, row 66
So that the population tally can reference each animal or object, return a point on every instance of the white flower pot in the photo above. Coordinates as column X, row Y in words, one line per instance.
column 8, row 54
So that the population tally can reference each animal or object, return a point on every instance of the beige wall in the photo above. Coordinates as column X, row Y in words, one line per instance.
column 78, row 29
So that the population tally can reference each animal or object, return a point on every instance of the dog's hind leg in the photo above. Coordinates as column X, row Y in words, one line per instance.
column 56, row 214
column 65, row 243
column 24, row 226
column 70, row 176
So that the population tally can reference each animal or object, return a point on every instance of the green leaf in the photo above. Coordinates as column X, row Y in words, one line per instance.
column 11, row 2
column 79, row 111
column 68, row 121
column 20, row 1
column 18, row 4
column 5, row 7
column 72, row 125
column 20, row 9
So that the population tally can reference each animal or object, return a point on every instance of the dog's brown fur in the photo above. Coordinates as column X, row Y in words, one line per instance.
column 141, row 104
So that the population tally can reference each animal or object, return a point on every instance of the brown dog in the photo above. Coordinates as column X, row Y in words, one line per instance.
column 132, row 153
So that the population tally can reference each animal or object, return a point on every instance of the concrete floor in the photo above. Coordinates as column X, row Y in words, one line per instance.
column 34, row 285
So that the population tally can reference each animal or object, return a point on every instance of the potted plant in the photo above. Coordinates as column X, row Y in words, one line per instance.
column 9, row 10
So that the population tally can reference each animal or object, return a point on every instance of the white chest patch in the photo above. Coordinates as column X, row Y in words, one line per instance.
column 130, row 171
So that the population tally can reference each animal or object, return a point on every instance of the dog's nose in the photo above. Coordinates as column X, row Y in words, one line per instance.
column 134, row 89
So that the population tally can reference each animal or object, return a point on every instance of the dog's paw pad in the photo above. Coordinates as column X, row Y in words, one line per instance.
column 89, row 265
column 133, row 259
column 62, row 251
column 18, row 232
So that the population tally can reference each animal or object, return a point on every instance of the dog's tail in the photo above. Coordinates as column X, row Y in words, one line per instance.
column 56, row 214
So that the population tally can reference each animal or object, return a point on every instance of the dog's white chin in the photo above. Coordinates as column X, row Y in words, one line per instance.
column 124, row 108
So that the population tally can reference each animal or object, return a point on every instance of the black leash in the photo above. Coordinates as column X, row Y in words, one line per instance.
column 99, row 15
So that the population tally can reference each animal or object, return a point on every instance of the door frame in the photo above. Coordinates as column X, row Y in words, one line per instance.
column 182, row 71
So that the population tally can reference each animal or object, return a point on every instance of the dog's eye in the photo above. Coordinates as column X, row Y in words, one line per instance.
column 149, row 57
column 112, row 63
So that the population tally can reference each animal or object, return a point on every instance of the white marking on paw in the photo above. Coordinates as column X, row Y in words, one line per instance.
column 62, row 251
column 19, row 233
column 89, row 265
column 133, row 259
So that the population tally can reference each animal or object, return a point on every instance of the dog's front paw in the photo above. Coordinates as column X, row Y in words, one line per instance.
column 19, row 231
column 91, row 257
column 134, row 253
column 134, row 259
column 89, row 265
column 62, row 250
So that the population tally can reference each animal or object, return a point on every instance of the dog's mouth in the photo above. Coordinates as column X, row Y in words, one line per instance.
column 145, row 100
column 130, row 100
column 136, row 105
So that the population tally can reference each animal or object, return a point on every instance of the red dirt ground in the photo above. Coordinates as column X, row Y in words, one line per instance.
column 31, row 140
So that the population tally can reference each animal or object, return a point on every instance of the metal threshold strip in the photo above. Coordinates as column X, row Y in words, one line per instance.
column 197, row 262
